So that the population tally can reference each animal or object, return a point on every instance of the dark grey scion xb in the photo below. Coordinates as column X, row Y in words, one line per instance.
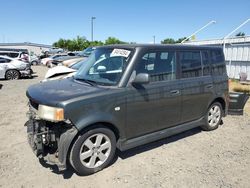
column 125, row 96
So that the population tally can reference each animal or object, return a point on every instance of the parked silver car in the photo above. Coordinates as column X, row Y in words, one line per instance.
column 13, row 69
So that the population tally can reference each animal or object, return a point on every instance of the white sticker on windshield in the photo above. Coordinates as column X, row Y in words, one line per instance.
column 120, row 52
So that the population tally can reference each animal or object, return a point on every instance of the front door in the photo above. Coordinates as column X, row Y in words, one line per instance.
column 153, row 106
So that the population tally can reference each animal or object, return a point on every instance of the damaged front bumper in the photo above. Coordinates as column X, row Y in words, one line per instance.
column 50, row 141
column 27, row 72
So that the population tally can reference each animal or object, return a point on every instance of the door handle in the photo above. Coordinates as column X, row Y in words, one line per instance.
column 209, row 86
column 175, row 92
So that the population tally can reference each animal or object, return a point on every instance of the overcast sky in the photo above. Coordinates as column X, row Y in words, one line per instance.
column 46, row 21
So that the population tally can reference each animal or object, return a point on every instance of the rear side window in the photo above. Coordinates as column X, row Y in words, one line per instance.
column 160, row 66
column 217, row 61
column 190, row 62
column 205, row 62
column 3, row 60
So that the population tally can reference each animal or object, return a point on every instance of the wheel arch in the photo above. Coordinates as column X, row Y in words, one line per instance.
column 221, row 101
column 67, row 143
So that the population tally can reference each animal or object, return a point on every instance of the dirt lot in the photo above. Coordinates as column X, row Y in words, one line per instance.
column 220, row 158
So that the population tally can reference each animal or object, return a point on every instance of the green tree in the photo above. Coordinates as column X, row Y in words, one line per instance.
column 181, row 39
column 113, row 40
column 168, row 41
column 172, row 41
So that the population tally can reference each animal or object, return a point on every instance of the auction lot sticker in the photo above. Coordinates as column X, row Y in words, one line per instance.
column 120, row 52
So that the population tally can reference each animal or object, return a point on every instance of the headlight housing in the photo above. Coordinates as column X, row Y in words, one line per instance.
column 50, row 113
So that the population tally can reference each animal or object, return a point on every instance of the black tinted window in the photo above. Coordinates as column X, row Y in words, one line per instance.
column 13, row 55
column 190, row 62
column 3, row 60
column 159, row 65
column 218, row 64
column 205, row 62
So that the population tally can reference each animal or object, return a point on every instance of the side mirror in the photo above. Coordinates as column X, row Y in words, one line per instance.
column 141, row 78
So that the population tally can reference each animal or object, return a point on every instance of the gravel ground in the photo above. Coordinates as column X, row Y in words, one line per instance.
column 220, row 158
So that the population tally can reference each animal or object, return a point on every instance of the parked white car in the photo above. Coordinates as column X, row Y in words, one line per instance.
column 15, row 55
column 12, row 69
column 61, row 72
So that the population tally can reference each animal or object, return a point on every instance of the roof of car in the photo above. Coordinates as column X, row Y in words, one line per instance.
column 5, row 51
column 152, row 46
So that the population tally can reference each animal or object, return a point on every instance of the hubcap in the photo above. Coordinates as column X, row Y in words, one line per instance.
column 12, row 75
column 95, row 150
column 214, row 115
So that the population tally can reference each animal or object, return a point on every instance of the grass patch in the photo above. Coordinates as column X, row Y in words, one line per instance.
column 236, row 86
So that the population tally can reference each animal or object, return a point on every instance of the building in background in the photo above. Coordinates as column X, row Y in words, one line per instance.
column 31, row 48
column 237, row 54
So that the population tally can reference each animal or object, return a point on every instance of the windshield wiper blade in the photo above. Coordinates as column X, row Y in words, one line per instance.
column 90, row 82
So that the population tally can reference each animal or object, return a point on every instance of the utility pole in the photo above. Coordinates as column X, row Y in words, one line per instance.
column 154, row 38
column 92, row 28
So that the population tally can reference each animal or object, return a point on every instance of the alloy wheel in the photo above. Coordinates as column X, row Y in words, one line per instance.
column 214, row 115
column 95, row 150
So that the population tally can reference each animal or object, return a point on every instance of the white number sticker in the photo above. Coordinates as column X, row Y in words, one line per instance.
column 120, row 52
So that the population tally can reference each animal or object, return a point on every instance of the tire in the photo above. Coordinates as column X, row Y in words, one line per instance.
column 34, row 63
column 12, row 75
column 93, row 150
column 213, row 117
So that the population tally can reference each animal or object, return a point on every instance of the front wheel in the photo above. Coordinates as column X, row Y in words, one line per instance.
column 93, row 150
column 213, row 117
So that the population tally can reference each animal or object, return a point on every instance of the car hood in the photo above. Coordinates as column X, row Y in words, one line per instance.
column 58, row 91
column 58, row 70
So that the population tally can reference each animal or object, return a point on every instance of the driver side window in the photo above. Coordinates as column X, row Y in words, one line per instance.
column 161, row 66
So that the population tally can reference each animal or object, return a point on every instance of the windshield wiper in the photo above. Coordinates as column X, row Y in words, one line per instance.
column 90, row 82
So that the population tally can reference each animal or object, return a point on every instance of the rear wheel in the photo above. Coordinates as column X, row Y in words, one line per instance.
column 12, row 75
column 213, row 117
column 34, row 63
column 93, row 150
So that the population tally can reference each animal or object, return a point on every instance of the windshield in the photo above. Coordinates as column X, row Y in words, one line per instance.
column 105, row 66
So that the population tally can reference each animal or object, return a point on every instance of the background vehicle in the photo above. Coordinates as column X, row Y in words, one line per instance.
column 124, row 96
column 16, row 55
column 54, row 50
column 12, row 69
column 44, row 61
column 59, row 60
column 70, row 62
column 60, row 72
column 34, row 60
column 87, row 52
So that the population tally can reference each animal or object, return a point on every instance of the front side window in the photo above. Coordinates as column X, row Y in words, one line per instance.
column 190, row 62
column 105, row 66
column 159, row 65
column 13, row 55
